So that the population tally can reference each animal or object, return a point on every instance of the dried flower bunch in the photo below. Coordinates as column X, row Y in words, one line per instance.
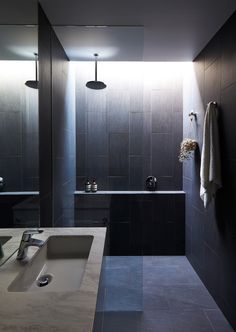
column 187, row 146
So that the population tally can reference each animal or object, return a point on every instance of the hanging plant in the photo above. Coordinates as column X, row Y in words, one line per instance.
column 187, row 146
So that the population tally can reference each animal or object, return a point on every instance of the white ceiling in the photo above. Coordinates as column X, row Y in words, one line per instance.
column 167, row 30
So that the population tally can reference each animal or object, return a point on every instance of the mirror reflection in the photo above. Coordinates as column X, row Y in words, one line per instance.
column 19, row 167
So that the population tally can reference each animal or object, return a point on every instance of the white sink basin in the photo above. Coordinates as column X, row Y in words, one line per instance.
column 58, row 266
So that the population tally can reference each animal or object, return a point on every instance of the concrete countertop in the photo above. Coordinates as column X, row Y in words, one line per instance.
column 11, row 246
column 51, row 311
column 19, row 193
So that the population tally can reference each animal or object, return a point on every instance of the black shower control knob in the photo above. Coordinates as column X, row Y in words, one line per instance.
column 151, row 183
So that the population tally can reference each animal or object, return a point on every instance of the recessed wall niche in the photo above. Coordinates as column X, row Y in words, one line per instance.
column 132, row 128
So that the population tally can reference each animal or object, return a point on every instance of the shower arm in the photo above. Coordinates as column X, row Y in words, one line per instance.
column 96, row 68
column 36, row 70
column 36, row 66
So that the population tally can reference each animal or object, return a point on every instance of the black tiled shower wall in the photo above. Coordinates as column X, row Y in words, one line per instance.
column 211, row 233
column 141, row 224
column 131, row 129
column 18, row 128
column 57, row 130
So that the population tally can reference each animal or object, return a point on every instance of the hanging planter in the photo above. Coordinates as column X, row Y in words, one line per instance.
column 187, row 146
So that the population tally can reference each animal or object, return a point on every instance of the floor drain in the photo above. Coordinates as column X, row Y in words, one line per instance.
column 44, row 280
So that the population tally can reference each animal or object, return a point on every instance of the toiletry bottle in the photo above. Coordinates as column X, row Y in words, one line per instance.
column 94, row 186
column 87, row 186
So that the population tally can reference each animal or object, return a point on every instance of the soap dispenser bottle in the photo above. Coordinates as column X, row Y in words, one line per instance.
column 94, row 186
column 87, row 186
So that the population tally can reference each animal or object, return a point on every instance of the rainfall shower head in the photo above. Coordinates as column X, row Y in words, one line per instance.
column 34, row 84
column 96, row 85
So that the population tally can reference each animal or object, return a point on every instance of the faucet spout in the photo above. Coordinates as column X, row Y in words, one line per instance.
column 28, row 241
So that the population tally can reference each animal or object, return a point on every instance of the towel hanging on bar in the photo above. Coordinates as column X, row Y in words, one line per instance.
column 210, row 172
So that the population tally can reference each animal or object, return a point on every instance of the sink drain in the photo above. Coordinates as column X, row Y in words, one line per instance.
column 44, row 280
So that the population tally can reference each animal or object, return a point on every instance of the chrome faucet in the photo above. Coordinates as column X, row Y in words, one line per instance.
column 28, row 241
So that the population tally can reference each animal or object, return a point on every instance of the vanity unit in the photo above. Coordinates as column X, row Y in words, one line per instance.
column 54, row 288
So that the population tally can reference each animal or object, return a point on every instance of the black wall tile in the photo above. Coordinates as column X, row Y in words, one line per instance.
column 137, row 180
column 161, row 108
column 120, row 239
column 138, row 224
column 81, row 120
column 120, row 208
column 118, row 107
column 147, row 137
column 118, row 154
column 118, row 182
column 11, row 171
column 162, row 155
column 131, row 107
column 136, row 133
column 97, row 135
column 212, row 82
column 228, row 51
column 97, row 167
column 45, row 119
column 210, row 232
column 228, row 117
column 56, row 131
column 97, row 101
column 81, row 155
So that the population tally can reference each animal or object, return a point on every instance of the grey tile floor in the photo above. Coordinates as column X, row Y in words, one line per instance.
column 155, row 293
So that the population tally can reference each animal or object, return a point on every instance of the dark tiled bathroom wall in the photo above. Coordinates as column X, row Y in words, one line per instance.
column 131, row 129
column 142, row 224
column 57, row 130
column 18, row 127
column 211, row 233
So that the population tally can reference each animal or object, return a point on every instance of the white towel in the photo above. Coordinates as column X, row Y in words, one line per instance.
column 210, row 172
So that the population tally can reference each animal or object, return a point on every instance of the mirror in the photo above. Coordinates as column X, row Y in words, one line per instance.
column 19, row 169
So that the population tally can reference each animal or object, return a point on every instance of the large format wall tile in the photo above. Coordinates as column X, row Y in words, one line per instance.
column 57, row 130
column 210, row 233
column 161, row 108
column 132, row 122
column 118, row 154
column 18, row 126
column 140, row 224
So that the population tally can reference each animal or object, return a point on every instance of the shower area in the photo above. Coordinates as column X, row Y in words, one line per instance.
column 126, row 132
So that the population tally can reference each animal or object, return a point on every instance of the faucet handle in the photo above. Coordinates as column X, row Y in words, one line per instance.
column 29, row 232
